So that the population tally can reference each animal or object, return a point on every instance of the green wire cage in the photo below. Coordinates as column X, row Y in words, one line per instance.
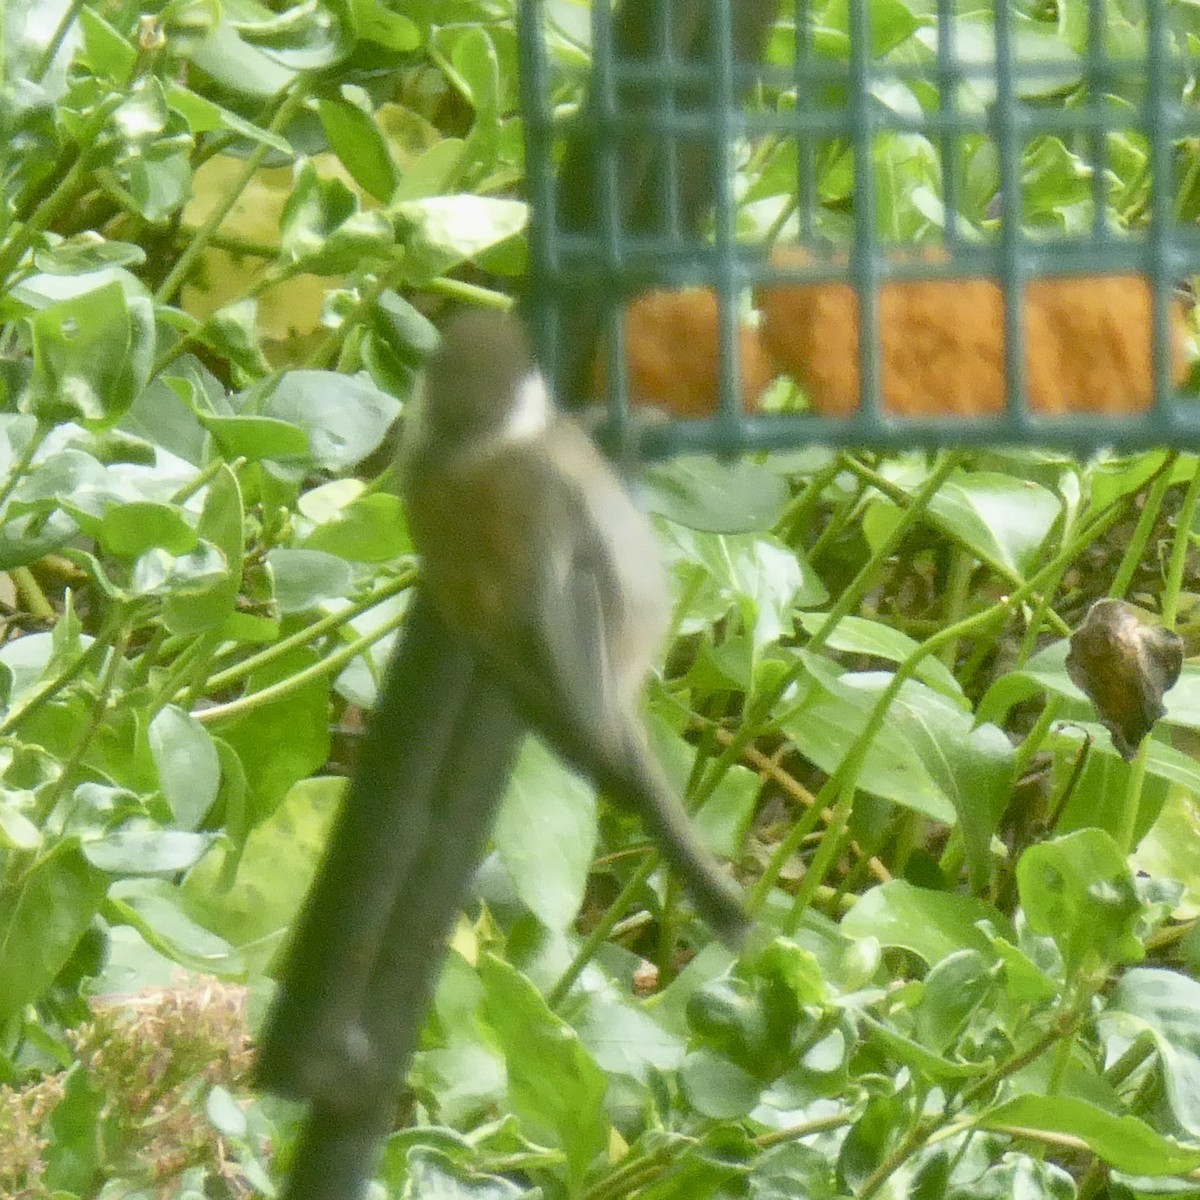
column 977, row 150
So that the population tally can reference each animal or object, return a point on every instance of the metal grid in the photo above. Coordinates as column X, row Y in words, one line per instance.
column 641, row 187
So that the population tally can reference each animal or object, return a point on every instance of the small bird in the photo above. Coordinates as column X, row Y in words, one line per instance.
column 533, row 553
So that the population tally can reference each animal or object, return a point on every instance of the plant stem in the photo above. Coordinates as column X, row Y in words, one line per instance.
column 292, row 102
column 558, row 993
column 1135, row 552
column 38, row 72
column 310, row 633
column 294, row 683
column 846, row 773
column 66, row 191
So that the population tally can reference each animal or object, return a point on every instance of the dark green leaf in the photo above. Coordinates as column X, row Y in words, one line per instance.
column 74, row 1147
column 44, row 911
column 356, row 140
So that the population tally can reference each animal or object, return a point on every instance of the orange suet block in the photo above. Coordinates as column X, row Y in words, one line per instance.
column 672, row 356
column 1088, row 343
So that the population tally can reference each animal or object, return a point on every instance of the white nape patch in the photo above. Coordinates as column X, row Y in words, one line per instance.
column 531, row 409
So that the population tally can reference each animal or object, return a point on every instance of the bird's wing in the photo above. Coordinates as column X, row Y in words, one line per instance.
column 561, row 668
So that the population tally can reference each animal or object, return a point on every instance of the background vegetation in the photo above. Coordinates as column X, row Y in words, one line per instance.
column 225, row 231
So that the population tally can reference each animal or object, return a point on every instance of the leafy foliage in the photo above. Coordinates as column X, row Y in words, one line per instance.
column 225, row 232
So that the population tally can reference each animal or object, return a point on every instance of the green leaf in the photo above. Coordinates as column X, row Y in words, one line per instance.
column 1001, row 519
column 295, row 727
column 225, row 1113
column 232, row 332
column 716, row 1087
column 829, row 721
column 451, row 229
column 434, row 1174
column 257, row 438
column 304, row 578
column 147, row 851
column 717, row 497
column 1171, row 849
column 955, row 988
column 972, row 764
column 73, row 1149
column 221, row 525
column 129, row 530
column 872, row 1138
column 932, row 925
column 238, row 66
column 918, row 1057
column 276, row 867
column 346, row 418
column 44, row 911
column 408, row 333
column 858, row 635
column 305, row 37
column 205, row 116
column 157, row 909
column 433, row 172
column 545, row 834
column 378, row 23
column 188, row 766
column 17, row 831
column 1123, row 1142
column 160, row 181
column 1167, row 1004
column 324, row 230
column 474, row 67
column 1078, row 889
column 356, row 140
column 554, row 1085
column 892, row 22
column 92, row 355
column 1049, row 65
column 754, row 573
column 371, row 528
column 105, row 50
